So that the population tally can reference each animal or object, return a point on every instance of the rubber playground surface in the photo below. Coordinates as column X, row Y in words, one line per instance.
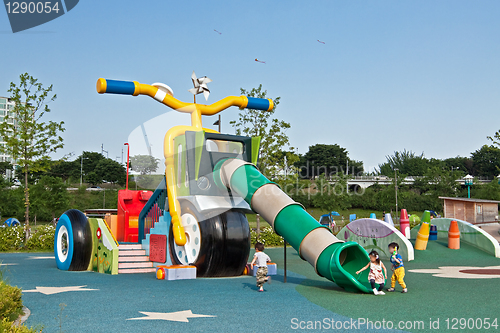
column 140, row 303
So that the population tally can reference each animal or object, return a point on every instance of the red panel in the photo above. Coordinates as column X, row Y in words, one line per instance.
column 129, row 204
column 157, row 248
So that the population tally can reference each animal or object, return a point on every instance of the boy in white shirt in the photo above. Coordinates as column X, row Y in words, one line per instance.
column 260, row 259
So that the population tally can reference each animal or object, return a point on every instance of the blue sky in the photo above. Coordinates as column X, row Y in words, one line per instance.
column 392, row 75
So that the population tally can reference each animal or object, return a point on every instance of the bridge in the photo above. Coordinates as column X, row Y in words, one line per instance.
column 367, row 181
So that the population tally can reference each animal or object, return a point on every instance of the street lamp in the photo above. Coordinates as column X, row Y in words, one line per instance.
column 453, row 168
column 396, row 189
column 468, row 180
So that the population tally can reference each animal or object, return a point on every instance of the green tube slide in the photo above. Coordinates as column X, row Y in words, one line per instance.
column 333, row 259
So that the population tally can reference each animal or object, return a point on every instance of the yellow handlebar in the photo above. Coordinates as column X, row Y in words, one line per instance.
column 135, row 88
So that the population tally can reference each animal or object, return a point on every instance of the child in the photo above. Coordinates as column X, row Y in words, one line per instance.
column 375, row 275
column 260, row 259
column 398, row 270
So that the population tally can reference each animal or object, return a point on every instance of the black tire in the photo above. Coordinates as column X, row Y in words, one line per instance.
column 73, row 241
column 224, row 247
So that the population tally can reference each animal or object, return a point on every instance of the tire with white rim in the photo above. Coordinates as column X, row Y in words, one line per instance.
column 73, row 241
column 217, row 246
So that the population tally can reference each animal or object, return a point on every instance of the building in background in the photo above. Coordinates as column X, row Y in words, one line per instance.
column 6, row 106
column 471, row 210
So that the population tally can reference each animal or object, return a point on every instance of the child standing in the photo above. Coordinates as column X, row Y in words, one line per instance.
column 260, row 259
column 375, row 275
column 398, row 270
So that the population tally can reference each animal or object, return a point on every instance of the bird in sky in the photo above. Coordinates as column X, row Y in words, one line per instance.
column 320, row 41
column 220, row 33
column 262, row 62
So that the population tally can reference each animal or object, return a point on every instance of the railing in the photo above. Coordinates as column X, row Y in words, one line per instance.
column 154, row 208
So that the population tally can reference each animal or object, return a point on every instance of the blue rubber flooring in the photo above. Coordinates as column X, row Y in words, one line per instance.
column 235, row 302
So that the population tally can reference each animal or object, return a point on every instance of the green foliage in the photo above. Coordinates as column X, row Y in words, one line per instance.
column 486, row 161
column 27, row 138
column 11, row 238
column 7, row 326
column 144, row 164
column 332, row 196
column 495, row 139
column 83, row 199
column 49, row 198
column 10, row 308
column 406, row 161
column 42, row 239
column 10, row 301
column 11, row 201
column 4, row 166
column 489, row 191
column 271, row 131
column 327, row 160
column 267, row 237
column 110, row 171
column 65, row 169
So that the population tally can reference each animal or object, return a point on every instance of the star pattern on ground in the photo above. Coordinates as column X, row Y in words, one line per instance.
column 180, row 316
column 57, row 290
column 462, row 272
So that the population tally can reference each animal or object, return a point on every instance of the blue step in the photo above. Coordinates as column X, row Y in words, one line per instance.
column 162, row 227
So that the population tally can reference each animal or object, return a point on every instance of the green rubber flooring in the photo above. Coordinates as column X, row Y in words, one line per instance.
column 306, row 302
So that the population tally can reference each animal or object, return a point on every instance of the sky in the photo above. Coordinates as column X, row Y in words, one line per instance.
column 391, row 75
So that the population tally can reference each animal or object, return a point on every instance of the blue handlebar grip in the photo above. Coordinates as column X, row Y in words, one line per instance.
column 115, row 87
column 259, row 104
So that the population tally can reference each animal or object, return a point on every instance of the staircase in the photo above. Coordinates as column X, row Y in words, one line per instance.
column 133, row 259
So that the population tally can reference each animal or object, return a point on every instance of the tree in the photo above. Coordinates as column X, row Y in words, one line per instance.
column 27, row 138
column 406, row 161
column 271, row 131
column 50, row 198
column 65, row 169
column 328, row 160
column 110, row 171
column 486, row 161
column 144, row 164
column 4, row 167
column 90, row 161
column 332, row 196
column 495, row 139
column 459, row 163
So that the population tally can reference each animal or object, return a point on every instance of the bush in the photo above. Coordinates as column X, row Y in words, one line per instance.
column 42, row 239
column 10, row 301
column 8, row 327
column 11, row 238
column 267, row 237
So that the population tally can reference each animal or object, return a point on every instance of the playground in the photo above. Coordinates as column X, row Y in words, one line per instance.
column 177, row 258
column 108, row 303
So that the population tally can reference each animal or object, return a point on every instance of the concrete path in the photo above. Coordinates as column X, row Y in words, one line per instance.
column 492, row 229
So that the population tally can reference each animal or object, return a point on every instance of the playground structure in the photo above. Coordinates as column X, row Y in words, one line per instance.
column 469, row 234
column 211, row 181
column 373, row 234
